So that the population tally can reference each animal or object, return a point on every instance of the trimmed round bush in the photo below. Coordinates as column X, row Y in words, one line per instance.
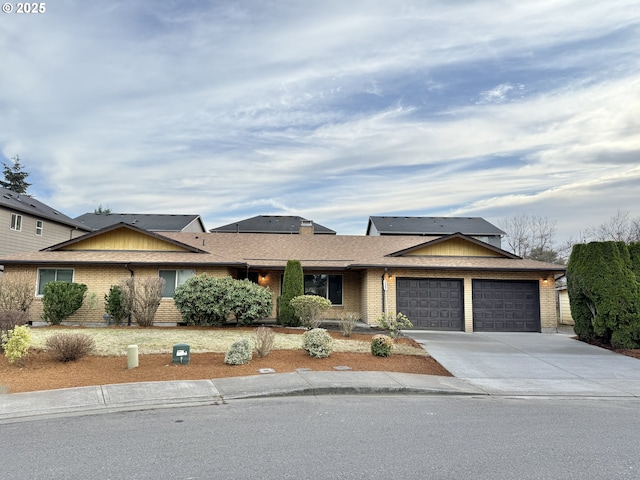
column 381, row 345
column 317, row 343
column 239, row 353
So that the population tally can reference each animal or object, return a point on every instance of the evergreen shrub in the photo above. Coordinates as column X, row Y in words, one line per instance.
column 309, row 309
column 15, row 343
column 61, row 300
column 317, row 343
column 381, row 345
column 239, row 353
column 115, row 305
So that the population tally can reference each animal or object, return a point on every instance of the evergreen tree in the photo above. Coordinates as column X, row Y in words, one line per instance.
column 634, row 253
column 604, row 293
column 15, row 178
column 292, row 286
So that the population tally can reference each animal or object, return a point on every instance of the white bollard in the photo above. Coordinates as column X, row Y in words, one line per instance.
column 132, row 356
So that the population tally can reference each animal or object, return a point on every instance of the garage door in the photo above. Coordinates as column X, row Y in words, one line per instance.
column 431, row 303
column 505, row 306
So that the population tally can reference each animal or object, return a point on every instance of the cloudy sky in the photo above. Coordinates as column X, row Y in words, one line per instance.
column 331, row 110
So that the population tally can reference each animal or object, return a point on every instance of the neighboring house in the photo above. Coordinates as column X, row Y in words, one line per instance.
column 475, row 227
column 564, row 307
column 27, row 224
column 148, row 221
column 275, row 224
column 450, row 282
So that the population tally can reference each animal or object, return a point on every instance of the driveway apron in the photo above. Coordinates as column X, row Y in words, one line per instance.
column 532, row 363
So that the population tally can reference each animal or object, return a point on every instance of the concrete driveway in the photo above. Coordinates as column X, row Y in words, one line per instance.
column 532, row 363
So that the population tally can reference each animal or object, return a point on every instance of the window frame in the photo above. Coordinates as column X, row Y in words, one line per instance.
column 39, row 227
column 327, row 286
column 176, row 281
column 16, row 222
column 40, row 286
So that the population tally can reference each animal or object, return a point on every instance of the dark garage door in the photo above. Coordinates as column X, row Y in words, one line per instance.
column 431, row 303
column 505, row 306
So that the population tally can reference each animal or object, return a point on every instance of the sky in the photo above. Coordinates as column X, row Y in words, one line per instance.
column 333, row 110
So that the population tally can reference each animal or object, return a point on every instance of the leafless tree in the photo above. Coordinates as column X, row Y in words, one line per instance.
column 619, row 228
column 530, row 236
column 142, row 296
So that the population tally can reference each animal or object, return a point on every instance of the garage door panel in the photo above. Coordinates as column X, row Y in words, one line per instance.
column 507, row 306
column 440, row 306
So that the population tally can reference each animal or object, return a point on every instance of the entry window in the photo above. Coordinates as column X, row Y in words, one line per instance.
column 16, row 222
column 39, row 227
column 327, row 286
column 46, row 275
column 173, row 279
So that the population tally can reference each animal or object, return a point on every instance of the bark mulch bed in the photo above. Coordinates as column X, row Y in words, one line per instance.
column 41, row 372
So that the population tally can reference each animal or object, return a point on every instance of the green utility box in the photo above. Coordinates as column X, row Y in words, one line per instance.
column 181, row 353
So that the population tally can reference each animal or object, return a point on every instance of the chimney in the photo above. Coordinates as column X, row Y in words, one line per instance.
column 306, row 227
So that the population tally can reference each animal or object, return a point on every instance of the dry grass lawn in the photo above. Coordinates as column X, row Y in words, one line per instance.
column 113, row 341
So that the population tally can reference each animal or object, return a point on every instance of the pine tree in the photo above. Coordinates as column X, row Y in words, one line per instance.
column 15, row 178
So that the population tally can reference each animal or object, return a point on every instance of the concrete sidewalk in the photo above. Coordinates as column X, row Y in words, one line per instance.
column 138, row 396
column 499, row 364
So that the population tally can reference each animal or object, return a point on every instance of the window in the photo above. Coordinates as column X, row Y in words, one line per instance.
column 46, row 275
column 39, row 226
column 173, row 279
column 327, row 286
column 16, row 222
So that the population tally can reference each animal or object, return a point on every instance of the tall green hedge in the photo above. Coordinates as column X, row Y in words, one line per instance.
column 292, row 286
column 604, row 293
column 634, row 253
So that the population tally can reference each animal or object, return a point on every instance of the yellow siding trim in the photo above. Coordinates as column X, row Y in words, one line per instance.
column 456, row 247
column 125, row 240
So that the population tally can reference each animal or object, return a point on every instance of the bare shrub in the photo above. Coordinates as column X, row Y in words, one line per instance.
column 264, row 338
column 348, row 321
column 16, row 291
column 68, row 347
column 141, row 296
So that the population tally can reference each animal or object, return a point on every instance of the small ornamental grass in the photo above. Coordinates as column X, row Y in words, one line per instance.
column 264, row 338
column 69, row 347
column 348, row 321
column 239, row 353
column 317, row 343
column 381, row 345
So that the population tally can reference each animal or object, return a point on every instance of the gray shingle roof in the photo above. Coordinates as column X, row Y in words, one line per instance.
column 271, row 224
column 146, row 221
column 431, row 226
column 29, row 205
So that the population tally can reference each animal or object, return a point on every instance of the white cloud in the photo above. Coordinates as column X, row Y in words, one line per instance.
column 333, row 111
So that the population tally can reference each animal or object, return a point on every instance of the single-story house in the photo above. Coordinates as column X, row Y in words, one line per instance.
column 449, row 282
